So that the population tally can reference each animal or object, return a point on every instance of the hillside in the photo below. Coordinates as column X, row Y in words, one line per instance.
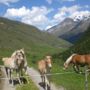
column 15, row 35
column 70, row 29
column 63, row 27
column 69, row 80
column 82, row 46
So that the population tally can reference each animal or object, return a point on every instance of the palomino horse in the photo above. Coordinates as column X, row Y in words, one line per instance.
column 17, row 62
column 78, row 60
column 21, row 60
column 44, row 67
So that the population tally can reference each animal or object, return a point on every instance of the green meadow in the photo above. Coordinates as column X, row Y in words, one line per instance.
column 15, row 35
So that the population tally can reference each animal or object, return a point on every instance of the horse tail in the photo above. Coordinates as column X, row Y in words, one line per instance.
column 3, row 59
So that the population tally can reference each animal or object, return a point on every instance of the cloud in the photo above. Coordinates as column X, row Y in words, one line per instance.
column 70, row 9
column 39, row 16
column 68, row 0
column 17, row 12
column 65, row 12
column 49, row 1
column 6, row 2
column 36, row 16
column 59, row 1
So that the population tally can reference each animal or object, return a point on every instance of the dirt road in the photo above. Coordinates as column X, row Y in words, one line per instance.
column 4, row 84
column 34, row 74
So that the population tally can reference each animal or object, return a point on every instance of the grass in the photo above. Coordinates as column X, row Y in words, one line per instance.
column 70, row 81
column 37, row 44
column 28, row 86
column 15, row 35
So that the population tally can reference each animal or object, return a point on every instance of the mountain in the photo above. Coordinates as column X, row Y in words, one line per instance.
column 15, row 35
column 63, row 27
column 71, row 29
column 82, row 46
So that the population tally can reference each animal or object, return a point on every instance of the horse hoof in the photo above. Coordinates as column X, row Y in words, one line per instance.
column 10, row 81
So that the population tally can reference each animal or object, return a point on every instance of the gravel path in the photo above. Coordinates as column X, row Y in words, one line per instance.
column 37, row 79
column 34, row 75
column 5, row 83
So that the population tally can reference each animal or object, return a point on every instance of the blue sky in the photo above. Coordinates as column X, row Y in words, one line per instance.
column 43, row 13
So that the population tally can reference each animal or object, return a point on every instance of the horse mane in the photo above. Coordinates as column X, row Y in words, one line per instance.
column 70, row 58
column 14, row 53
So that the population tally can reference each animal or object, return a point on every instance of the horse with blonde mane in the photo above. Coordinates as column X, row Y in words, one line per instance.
column 21, row 61
column 17, row 62
column 78, row 61
column 44, row 67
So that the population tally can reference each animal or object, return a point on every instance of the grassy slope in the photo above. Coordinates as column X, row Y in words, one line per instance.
column 15, row 35
column 82, row 46
column 72, row 81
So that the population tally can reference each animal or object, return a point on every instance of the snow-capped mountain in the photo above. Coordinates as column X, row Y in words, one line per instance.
column 71, row 28
column 81, row 17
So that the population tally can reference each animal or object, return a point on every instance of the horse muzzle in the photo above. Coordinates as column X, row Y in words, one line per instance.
column 50, row 66
column 64, row 68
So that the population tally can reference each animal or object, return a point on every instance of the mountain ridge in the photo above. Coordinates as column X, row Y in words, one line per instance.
column 69, row 29
column 15, row 35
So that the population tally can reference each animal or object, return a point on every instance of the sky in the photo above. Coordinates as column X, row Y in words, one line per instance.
column 43, row 13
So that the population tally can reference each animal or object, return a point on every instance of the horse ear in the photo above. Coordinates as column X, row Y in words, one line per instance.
column 22, row 49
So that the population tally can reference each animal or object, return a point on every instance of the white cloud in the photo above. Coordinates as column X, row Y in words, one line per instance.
column 36, row 16
column 59, row 1
column 6, row 2
column 59, row 16
column 17, row 12
column 69, row 0
column 49, row 1
column 70, row 9
column 65, row 12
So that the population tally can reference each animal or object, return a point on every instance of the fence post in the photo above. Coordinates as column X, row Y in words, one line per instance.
column 86, row 78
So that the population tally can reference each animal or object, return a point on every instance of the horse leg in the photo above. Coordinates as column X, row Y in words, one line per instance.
column 21, row 72
column 18, row 75
column 49, row 82
column 76, row 68
column 25, row 68
column 10, row 76
column 42, row 78
column 21, row 76
column 46, row 82
column 26, row 73
column 6, row 69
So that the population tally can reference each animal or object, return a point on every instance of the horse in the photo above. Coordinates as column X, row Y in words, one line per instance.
column 17, row 62
column 44, row 67
column 21, row 61
column 77, row 61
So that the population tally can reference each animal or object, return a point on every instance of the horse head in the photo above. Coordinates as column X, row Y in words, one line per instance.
column 65, row 66
column 22, row 59
column 48, row 61
column 68, row 61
